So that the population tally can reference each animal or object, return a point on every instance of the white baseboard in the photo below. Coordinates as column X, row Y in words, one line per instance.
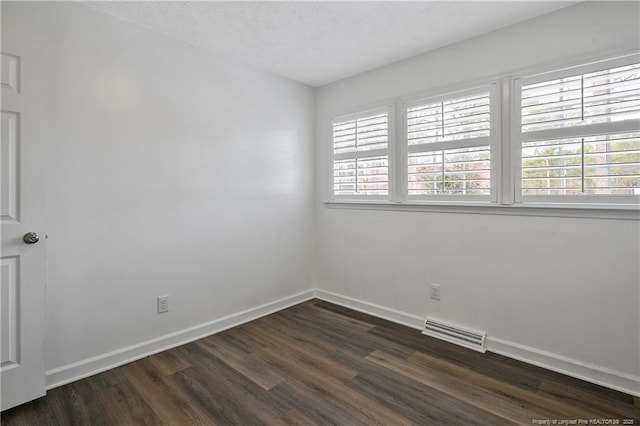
column 392, row 315
column 602, row 376
column 593, row 373
column 589, row 372
column 88, row 367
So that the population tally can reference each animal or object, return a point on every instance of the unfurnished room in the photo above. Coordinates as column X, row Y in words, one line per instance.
column 320, row 213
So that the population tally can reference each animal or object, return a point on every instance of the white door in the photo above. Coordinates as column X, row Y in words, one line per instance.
column 22, row 300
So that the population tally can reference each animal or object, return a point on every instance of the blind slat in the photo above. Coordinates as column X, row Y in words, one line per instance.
column 465, row 171
column 453, row 119
column 603, row 164
column 362, row 134
column 601, row 97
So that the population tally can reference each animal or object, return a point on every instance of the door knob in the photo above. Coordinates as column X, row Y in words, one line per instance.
column 31, row 237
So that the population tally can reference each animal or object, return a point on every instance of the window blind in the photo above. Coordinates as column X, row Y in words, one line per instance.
column 464, row 171
column 449, row 146
column 454, row 119
column 361, row 156
column 581, row 134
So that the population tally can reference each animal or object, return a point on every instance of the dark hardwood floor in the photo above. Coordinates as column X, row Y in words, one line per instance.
column 318, row 363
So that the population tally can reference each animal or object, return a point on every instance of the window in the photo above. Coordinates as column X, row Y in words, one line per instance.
column 361, row 148
column 449, row 144
column 579, row 131
column 566, row 138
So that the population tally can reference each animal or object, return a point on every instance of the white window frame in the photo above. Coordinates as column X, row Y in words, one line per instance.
column 493, row 141
column 518, row 138
column 389, row 151
column 506, row 148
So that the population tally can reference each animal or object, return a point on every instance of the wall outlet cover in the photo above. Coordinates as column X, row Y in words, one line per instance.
column 163, row 304
column 435, row 291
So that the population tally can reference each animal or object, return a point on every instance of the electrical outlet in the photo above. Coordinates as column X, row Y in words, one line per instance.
column 163, row 304
column 435, row 291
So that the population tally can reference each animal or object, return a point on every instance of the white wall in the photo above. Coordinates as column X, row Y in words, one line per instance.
column 562, row 292
column 171, row 171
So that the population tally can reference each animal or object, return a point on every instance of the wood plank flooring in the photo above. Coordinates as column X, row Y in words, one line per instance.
column 319, row 363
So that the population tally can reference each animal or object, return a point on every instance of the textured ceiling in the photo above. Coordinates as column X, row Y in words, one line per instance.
column 320, row 42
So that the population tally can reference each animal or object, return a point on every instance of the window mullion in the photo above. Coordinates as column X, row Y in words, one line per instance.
column 504, row 170
column 439, row 146
column 362, row 154
column 398, row 158
column 582, row 131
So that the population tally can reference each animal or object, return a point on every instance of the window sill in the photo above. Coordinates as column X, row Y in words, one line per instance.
column 586, row 211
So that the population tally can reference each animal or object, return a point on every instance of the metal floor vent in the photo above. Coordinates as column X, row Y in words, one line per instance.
column 454, row 334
